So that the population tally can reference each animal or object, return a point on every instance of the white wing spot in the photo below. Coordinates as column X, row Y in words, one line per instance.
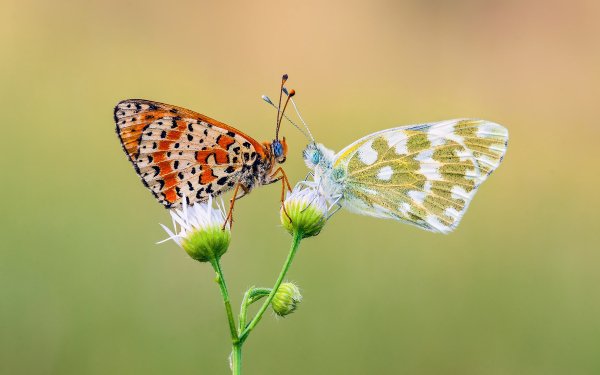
column 438, row 133
column 370, row 191
column 459, row 192
column 424, row 155
column 431, row 171
column 397, row 139
column 427, row 187
column 385, row 173
column 465, row 154
column 489, row 129
column 486, row 160
column 367, row 154
column 453, row 213
column 417, row 196
column 404, row 208
column 429, row 167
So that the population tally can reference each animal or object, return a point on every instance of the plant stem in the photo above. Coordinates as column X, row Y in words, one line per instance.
column 252, row 295
column 237, row 359
column 244, row 312
column 223, row 285
column 297, row 237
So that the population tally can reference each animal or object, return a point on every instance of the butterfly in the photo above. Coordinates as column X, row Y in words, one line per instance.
column 185, row 157
column 425, row 175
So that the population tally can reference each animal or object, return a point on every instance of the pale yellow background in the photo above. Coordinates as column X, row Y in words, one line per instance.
column 84, row 290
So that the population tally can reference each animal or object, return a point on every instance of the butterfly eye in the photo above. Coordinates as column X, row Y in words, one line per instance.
column 277, row 148
column 316, row 157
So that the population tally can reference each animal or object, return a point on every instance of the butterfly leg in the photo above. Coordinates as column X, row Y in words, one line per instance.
column 235, row 197
column 337, row 208
column 306, row 182
column 318, row 188
column 283, row 177
column 285, row 183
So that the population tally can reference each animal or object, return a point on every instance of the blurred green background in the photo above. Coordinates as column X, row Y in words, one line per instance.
column 84, row 289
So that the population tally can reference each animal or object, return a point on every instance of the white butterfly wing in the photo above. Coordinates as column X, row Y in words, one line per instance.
column 425, row 175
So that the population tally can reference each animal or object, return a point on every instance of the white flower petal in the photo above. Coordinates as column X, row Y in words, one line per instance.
column 303, row 195
column 196, row 217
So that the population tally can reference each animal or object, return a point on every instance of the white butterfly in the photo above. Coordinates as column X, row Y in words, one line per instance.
column 425, row 175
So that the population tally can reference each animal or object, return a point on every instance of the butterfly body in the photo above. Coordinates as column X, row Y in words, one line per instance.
column 185, row 157
column 424, row 175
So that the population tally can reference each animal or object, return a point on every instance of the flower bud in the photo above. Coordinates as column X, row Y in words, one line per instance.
column 304, row 211
column 200, row 231
column 207, row 244
column 286, row 299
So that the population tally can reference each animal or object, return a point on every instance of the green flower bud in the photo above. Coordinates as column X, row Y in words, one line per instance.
column 200, row 231
column 304, row 211
column 286, row 299
column 207, row 244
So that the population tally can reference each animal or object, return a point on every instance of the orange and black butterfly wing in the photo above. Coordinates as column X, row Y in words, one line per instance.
column 182, row 155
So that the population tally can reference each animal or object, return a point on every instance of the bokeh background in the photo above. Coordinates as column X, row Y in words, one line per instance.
column 85, row 290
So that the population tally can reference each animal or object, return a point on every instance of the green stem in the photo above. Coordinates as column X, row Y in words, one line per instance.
column 252, row 295
column 243, row 312
column 223, row 285
column 297, row 237
column 237, row 359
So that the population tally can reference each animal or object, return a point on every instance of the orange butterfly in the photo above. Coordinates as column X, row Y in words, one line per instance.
column 184, row 157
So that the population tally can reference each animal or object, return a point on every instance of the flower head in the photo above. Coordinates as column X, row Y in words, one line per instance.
column 198, row 229
column 304, row 211
column 286, row 299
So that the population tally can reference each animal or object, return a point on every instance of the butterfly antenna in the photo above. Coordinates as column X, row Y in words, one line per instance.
column 268, row 100
column 291, row 93
column 284, row 78
column 300, row 117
